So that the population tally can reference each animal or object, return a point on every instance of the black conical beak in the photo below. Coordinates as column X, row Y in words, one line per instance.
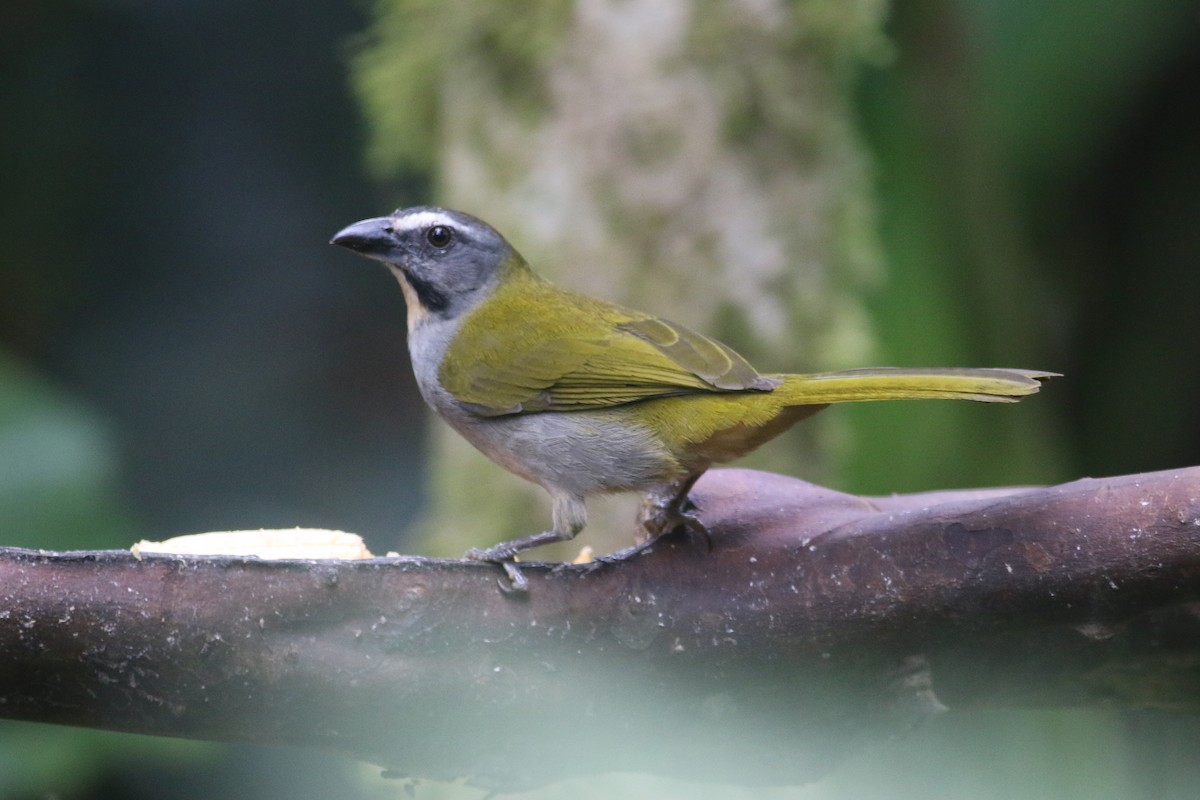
column 371, row 237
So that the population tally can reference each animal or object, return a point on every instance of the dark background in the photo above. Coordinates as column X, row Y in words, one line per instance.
column 180, row 350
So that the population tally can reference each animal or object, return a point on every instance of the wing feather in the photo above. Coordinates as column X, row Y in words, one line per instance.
column 569, row 352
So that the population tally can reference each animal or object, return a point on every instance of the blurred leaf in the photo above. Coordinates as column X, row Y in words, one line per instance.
column 58, row 469
column 52, row 761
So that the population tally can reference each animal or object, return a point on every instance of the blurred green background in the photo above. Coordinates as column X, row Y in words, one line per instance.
column 180, row 350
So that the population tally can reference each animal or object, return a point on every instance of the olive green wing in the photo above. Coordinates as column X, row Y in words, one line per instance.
column 713, row 362
column 568, row 352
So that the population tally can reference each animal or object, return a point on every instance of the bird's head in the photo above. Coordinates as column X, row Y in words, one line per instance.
column 447, row 261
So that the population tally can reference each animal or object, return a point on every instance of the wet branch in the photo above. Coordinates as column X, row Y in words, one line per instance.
column 816, row 623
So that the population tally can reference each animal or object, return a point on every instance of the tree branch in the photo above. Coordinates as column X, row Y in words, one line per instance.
column 810, row 623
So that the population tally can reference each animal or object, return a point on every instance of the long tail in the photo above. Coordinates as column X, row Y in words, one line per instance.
column 896, row 383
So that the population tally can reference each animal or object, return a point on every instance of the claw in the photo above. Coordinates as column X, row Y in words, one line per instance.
column 517, row 582
column 689, row 520
column 502, row 556
column 669, row 507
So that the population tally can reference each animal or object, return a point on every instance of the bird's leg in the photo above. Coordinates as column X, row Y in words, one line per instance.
column 666, row 507
column 569, row 515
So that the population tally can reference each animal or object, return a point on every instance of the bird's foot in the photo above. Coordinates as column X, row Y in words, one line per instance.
column 665, row 510
column 514, row 581
column 504, row 555
column 517, row 583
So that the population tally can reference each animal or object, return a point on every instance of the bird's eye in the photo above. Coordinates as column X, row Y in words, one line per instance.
column 439, row 235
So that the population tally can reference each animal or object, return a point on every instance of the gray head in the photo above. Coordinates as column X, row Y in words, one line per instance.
column 447, row 260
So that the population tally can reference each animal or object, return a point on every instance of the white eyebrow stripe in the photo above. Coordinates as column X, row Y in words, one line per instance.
column 421, row 220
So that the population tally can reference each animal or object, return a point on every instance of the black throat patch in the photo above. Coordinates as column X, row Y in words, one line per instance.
column 433, row 300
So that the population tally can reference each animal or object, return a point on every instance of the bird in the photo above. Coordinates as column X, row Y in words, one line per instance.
column 583, row 396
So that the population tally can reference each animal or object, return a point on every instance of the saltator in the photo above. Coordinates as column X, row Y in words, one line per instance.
column 582, row 396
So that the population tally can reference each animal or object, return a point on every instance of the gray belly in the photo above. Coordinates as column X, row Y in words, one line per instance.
column 579, row 452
